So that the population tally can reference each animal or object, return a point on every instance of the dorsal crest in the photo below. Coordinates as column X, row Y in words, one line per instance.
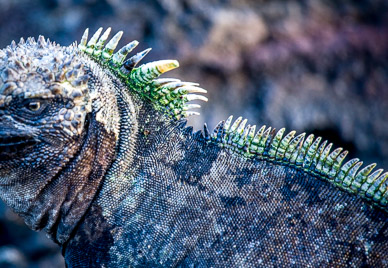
column 167, row 94
column 303, row 153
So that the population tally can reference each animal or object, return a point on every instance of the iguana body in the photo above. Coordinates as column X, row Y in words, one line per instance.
column 94, row 152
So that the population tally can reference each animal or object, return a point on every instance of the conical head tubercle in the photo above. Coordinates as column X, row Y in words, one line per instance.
column 168, row 95
column 304, row 153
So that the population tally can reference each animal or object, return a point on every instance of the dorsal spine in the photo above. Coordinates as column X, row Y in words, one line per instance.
column 309, row 155
column 168, row 95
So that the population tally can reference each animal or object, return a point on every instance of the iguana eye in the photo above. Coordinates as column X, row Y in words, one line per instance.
column 33, row 106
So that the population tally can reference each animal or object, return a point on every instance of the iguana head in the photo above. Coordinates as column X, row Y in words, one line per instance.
column 44, row 100
column 54, row 125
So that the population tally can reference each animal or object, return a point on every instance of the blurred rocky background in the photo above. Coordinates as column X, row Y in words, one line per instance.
column 319, row 66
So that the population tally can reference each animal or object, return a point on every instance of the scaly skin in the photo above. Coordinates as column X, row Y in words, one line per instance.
column 94, row 151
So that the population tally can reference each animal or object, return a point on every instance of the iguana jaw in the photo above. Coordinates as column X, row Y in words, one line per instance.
column 12, row 145
column 16, row 140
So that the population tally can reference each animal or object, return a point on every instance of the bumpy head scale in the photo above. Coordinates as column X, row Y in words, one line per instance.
column 30, row 71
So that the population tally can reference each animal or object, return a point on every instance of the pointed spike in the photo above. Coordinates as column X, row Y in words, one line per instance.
column 228, row 122
column 253, row 148
column 188, row 130
column 330, row 160
column 150, row 71
column 323, row 156
column 41, row 42
column 284, row 143
column 260, row 133
column 164, row 90
column 276, row 142
column 349, row 177
column 198, row 135
column 302, row 153
column 373, row 189
column 172, row 86
column 189, row 89
column 292, row 145
column 22, row 42
column 263, row 141
column 318, row 156
column 100, row 43
column 84, row 39
column 269, row 141
column 186, row 84
column 361, row 177
column 13, row 44
column 164, row 66
column 337, row 164
column 241, row 127
column 218, row 131
column 311, row 153
column 182, row 123
column 369, row 180
column 134, row 60
column 92, row 42
column 241, row 143
column 206, row 132
column 192, row 97
column 256, row 140
column 344, row 170
column 179, row 91
column 294, row 148
column 165, row 82
column 251, row 133
column 246, row 131
column 191, row 106
column 249, row 138
column 119, row 57
column 236, row 124
column 33, row 40
column 232, row 132
column 111, row 46
column 30, row 41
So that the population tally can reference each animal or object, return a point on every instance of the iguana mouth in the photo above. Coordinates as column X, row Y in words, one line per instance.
column 13, row 145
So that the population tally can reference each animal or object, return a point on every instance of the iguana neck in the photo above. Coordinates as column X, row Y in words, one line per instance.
column 60, row 203
column 145, row 135
column 58, row 194
column 151, row 149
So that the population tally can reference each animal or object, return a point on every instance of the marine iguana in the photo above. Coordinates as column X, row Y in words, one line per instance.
column 95, row 151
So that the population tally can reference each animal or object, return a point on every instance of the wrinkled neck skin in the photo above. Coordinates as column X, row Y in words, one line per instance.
column 54, row 196
column 148, row 143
